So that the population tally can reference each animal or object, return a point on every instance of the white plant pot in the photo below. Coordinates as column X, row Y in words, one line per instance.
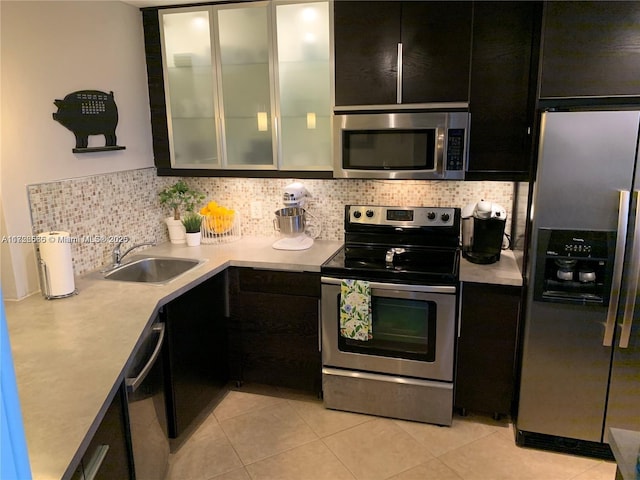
column 193, row 239
column 177, row 232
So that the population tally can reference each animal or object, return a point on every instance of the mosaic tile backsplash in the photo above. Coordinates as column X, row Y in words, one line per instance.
column 97, row 210
column 126, row 203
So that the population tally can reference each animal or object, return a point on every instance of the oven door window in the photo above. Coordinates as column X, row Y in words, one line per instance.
column 392, row 149
column 402, row 328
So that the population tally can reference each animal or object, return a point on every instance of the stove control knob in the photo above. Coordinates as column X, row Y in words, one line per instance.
column 445, row 217
column 357, row 214
column 431, row 215
column 369, row 213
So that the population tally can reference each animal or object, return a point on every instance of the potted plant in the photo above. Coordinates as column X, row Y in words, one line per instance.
column 192, row 222
column 179, row 197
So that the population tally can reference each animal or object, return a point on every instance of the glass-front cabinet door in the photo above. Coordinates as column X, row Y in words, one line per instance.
column 189, row 79
column 304, row 85
column 245, row 74
column 248, row 85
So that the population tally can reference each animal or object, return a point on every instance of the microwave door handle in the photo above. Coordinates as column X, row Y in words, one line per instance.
column 441, row 133
column 399, row 76
column 618, row 264
column 632, row 280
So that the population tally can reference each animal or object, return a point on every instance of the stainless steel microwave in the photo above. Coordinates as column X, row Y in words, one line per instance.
column 402, row 145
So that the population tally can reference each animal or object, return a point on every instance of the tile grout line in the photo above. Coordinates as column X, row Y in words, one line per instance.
column 256, row 409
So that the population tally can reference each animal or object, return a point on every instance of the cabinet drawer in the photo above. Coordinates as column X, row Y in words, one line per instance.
column 276, row 282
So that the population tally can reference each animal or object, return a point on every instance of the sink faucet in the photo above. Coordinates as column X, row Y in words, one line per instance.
column 117, row 256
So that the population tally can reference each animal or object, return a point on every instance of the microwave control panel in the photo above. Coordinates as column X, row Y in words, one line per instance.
column 455, row 149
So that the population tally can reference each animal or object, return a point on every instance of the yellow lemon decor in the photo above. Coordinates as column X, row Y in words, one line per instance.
column 217, row 219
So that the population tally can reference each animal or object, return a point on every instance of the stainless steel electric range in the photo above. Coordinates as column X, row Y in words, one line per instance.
column 401, row 265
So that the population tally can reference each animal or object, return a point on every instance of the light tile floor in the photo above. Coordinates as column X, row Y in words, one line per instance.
column 264, row 433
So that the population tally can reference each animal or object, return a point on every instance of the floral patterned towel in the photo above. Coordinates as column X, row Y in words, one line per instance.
column 355, row 310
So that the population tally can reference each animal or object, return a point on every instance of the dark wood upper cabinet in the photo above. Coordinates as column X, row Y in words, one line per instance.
column 436, row 40
column 155, row 79
column 366, row 36
column 503, row 79
column 590, row 49
column 436, row 48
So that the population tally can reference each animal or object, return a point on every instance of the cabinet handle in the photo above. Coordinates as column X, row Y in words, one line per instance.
column 618, row 264
column 93, row 467
column 460, row 310
column 399, row 76
column 632, row 281
column 319, row 325
column 134, row 383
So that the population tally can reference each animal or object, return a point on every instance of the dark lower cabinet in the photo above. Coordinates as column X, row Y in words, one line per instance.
column 486, row 360
column 108, row 455
column 197, row 370
column 590, row 49
column 273, row 328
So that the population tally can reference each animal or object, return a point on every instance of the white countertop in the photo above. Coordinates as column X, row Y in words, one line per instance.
column 625, row 445
column 503, row 272
column 70, row 354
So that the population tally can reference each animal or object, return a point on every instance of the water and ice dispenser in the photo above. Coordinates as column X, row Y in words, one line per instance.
column 574, row 266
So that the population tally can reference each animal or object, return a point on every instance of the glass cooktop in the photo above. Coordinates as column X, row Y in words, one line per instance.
column 395, row 264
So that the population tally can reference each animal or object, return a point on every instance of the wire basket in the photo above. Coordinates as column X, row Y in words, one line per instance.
column 220, row 228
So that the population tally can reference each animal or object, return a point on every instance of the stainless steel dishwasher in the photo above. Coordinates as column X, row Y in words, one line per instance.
column 146, row 404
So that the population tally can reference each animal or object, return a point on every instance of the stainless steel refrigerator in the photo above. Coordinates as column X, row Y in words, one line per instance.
column 581, row 351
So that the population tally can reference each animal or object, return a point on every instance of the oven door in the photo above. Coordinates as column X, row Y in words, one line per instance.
column 413, row 330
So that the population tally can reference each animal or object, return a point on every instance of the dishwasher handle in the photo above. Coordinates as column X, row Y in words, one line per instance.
column 133, row 383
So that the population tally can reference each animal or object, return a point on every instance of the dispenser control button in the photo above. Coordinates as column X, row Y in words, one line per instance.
column 445, row 217
column 577, row 248
column 431, row 215
column 369, row 213
column 357, row 214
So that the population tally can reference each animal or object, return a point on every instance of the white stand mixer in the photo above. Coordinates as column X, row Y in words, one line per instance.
column 292, row 222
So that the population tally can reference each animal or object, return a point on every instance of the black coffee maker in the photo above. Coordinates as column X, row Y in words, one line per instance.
column 483, row 231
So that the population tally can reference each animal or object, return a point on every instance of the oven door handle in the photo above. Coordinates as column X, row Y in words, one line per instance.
column 398, row 286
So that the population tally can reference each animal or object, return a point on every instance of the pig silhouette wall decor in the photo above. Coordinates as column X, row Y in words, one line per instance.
column 89, row 112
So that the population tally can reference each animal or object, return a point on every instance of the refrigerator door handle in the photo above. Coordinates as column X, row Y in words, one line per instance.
column 632, row 280
column 618, row 265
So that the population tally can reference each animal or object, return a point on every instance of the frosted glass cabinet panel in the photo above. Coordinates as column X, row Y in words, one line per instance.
column 248, row 85
column 243, row 34
column 190, row 87
column 304, row 85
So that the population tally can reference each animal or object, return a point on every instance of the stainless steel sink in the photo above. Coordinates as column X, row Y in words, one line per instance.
column 157, row 270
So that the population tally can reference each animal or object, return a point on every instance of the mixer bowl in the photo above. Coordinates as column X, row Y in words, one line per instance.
column 290, row 220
